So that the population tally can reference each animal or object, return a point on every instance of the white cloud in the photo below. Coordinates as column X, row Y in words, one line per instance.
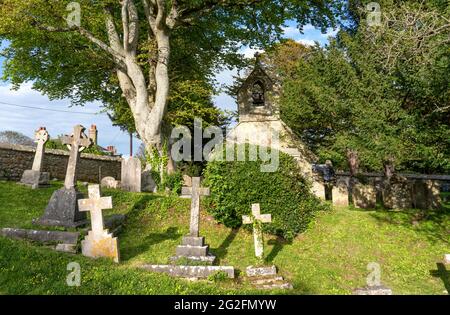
column 306, row 42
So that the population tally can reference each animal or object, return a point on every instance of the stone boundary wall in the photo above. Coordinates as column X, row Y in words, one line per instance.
column 15, row 159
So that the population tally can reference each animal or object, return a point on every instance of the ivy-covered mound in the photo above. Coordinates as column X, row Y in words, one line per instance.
column 284, row 193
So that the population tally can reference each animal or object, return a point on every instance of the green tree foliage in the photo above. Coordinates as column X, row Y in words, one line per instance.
column 380, row 90
column 236, row 185
column 184, row 40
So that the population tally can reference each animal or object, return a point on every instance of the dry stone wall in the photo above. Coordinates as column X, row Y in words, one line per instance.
column 15, row 159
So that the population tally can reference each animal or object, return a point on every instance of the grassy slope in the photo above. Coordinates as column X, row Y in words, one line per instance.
column 331, row 257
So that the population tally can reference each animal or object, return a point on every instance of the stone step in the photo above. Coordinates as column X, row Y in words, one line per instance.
column 193, row 241
column 261, row 271
column 209, row 259
column 271, row 280
column 282, row 286
column 187, row 250
column 189, row 271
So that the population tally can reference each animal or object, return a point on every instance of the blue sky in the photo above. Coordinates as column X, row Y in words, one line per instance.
column 27, row 120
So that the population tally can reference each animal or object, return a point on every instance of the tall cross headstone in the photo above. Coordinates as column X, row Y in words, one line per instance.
column 98, row 242
column 193, row 246
column 41, row 137
column 76, row 143
column 195, row 192
column 256, row 219
column 35, row 177
column 62, row 209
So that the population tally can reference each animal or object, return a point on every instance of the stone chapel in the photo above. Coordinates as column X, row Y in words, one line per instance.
column 259, row 119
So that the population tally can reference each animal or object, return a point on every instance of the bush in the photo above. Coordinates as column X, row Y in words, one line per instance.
column 284, row 193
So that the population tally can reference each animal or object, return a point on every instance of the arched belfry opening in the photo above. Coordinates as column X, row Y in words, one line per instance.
column 256, row 96
column 258, row 93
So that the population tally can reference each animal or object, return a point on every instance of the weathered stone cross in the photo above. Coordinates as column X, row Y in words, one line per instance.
column 41, row 137
column 95, row 204
column 256, row 219
column 195, row 192
column 76, row 143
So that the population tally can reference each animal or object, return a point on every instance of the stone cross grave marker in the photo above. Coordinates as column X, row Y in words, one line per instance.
column 76, row 143
column 35, row 177
column 195, row 192
column 41, row 137
column 98, row 242
column 257, row 218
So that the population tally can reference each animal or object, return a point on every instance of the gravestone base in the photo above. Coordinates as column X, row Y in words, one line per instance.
column 66, row 248
column 62, row 210
column 267, row 278
column 189, row 271
column 193, row 249
column 35, row 179
column 207, row 260
column 104, row 245
column 373, row 290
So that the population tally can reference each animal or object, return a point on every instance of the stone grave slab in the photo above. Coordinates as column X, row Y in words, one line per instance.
column 189, row 271
column 44, row 237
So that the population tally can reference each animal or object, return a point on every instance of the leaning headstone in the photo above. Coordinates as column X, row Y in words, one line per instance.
column 433, row 194
column 35, row 178
column 131, row 174
column 340, row 194
column 318, row 189
column 257, row 219
column 364, row 196
column 109, row 182
column 62, row 209
column 148, row 183
column 193, row 245
column 419, row 194
column 98, row 242
column 397, row 193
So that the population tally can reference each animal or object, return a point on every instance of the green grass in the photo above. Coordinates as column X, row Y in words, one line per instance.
column 330, row 258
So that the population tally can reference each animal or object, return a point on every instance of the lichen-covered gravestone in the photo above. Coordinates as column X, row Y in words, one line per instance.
column 98, row 242
column 35, row 178
column 62, row 209
column 131, row 175
column 364, row 196
column 340, row 194
column 257, row 219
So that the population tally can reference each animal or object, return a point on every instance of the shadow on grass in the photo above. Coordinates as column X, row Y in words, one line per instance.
column 278, row 245
column 433, row 224
column 149, row 240
column 442, row 273
column 222, row 250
